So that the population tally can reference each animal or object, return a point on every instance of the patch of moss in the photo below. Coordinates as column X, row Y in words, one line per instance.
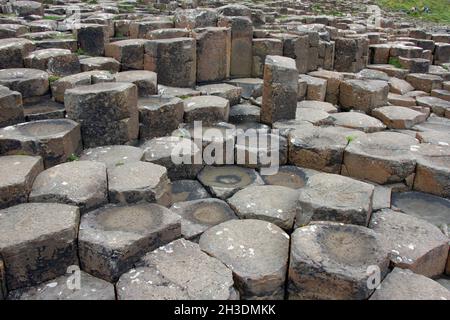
column 73, row 157
column 393, row 61
column 53, row 78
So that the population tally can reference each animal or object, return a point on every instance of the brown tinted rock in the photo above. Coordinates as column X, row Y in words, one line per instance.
column 11, row 109
column 113, row 238
column 363, row 95
column 208, row 109
column 38, row 241
column 289, row 176
column 130, row 53
column 29, row 82
column 357, row 121
column 223, row 90
column 424, row 82
column 261, row 48
column 395, row 117
column 257, row 253
column 145, row 81
column 58, row 62
column 100, row 63
column 92, row 38
column 399, row 86
column 12, row 52
column 316, row 88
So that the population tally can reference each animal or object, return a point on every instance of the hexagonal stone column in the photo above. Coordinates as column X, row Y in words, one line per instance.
column 257, row 253
column 275, row 204
column 381, row 157
column 412, row 242
column 357, row 121
column 29, row 82
column 224, row 90
column 59, row 62
column 405, row 285
column 224, row 181
column 139, row 181
column 54, row 140
column 80, row 183
column 363, row 95
column 91, row 288
column 279, row 100
column 331, row 197
column 17, row 176
column 433, row 169
column 208, row 109
column 178, row 270
column 38, row 241
column 113, row 156
column 100, row 63
column 174, row 60
column 332, row 261
column 164, row 150
column 92, row 38
column 396, row 117
column 12, row 52
column 260, row 49
column 213, row 53
column 113, row 238
column 289, row 176
column 188, row 190
column 197, row 216
column 11, row 109
column 159, row 116
column 145, row 81
column 107, row 112
column 424, row 82
column 130, row 53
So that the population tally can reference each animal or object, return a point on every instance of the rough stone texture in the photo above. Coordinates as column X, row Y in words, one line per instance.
column 100, row 63
column 3, row 291
column 275, row 204
column 334, row 80
column 224, row 181
column 405, row 285
column 208, row 109
column 113, row 156
column 12, row 52
column 18, row 174
column 113, row 237
column 11, row 109
column 358, row 121
column 145, row 81
column 424, row 82
column 57, row 289
column 262, row 48
column 29, row 82
column 197, row 216
column 333, row 197
column 178, row 270
column 439, row 106
column 213, row 53
column 159, row 116
column 330, row 261
column 381, row 157
column 58, row 62
column 130, row 53
column 184, row 151
column 188, row 190
column 289, row 176
column 55, row 140
column 279, row 100
column 80, row 183
column 257, row 253
column 38, row 241
column 412, row 243
column 363, row 95
column 396, row 117
column 174, row 60
column 223, row 90
column 107, row 113
column 138, row 181
column 92, row 38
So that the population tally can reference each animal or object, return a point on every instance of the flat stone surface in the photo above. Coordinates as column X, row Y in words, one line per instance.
column 138, row 181
column 433, row 209
column 275, row 204
column 316, row 117
column 224, row 181
column 405, row 285
column 330, row 261
column 91, row 288
column 38, row 241
column 396, row 117
column 17, row 176
column 178, row 270
column 113, row 156
column 357, row 121
column 208, row 109
column 113, row 237
column 381, row 157
column 317, row 105
column 197, row 216
column 29, row 82
column 412, row 242
column 257, row 253
column 80, row 183
column 289, row 176
column 440, row 138
column 188, row 190
column 337, row 198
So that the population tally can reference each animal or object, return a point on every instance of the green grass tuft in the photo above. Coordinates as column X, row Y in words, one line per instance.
column 73, row 157
column 393, row 61
column 439, row 9
column 53, row 78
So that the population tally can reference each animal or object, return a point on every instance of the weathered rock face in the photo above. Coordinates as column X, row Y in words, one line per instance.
column 18, row 174
column 138, row 181
column 412, row 243
column 381, row 157
column 280, row 89
column 113, row 238
column 213, row 53
column 11, row 109
column 58, row 289
column 3, row 291
column 54, row 140
column 130, row 53
column 208, row 109
column 58, row 62
column 38, row 242
column 262, row 48
column 92, row 38
column 178, row 270
column 29, row 82
column 113, row 156
column 174, row 60
column 80, row 183
column 145, row 81
column 107, row 113
column 256, row 252
column 334, row 262
column 405, row 285
column 12, row 52
column 358, row 121
column 396, row 117
column 363, row 95
column 197, row 216
column 330, row 197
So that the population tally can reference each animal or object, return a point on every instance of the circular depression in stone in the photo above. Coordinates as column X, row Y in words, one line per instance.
column 40, row 129
column 289, row 176
column 227, row 176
